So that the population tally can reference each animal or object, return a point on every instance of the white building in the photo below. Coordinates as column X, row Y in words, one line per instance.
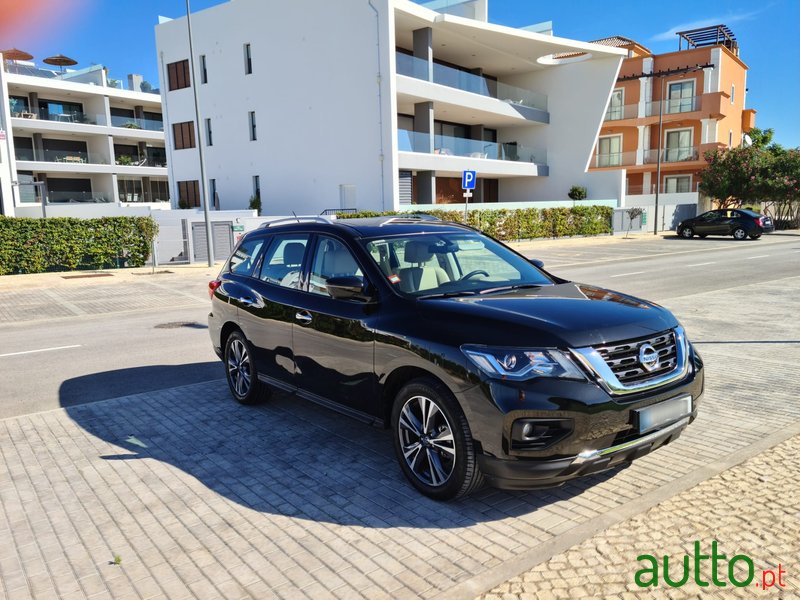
column 372, row 104
column 74, row 139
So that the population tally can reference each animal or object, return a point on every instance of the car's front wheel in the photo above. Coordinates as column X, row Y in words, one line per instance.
column 240, row 371
column 433, row 441
column 739, row 234
column 686, row 232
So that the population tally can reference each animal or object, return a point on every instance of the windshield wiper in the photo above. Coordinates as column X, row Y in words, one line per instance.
column 510, row 288
column 448, row 294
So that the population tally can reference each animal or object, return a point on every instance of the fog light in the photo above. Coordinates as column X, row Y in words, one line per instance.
column 537, row 434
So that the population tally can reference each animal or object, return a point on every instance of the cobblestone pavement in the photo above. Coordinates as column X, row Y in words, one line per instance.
column 200, row 497
column 752, row 509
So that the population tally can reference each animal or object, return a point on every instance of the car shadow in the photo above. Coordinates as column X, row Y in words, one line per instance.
column 285, row 457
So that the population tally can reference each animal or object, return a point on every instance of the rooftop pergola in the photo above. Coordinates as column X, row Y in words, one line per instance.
column 708, row 36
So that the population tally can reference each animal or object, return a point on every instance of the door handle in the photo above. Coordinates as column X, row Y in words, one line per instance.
column 303, row 317
column 247, row 301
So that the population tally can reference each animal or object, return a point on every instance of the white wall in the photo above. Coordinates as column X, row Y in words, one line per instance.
column 315, row 93
column 577, row 97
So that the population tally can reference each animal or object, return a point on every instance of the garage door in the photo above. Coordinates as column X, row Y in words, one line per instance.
column 222, row 236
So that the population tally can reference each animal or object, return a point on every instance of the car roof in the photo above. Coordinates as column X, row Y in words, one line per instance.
column 367, row 227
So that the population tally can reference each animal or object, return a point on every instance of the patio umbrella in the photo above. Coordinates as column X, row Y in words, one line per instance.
column 59, row 60
column 15, row 54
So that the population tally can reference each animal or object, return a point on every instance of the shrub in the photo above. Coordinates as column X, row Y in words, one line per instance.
column 523, row 223
column 255, row 204
column 62, row 244
column 577, row 192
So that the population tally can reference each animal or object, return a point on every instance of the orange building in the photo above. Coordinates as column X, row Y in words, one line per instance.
column 668, row 109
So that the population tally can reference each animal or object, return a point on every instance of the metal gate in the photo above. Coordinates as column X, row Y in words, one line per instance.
column 222, row 236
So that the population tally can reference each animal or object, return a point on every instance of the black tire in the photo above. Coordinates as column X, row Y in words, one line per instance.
column 241, row 372
column 755, row 236
column 445, row 470
column 686, row 232
column 739, row 234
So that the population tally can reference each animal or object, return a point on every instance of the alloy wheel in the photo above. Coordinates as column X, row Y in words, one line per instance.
column 427, row 442
column 739, row 233
column 687, row 232
column 239, row 372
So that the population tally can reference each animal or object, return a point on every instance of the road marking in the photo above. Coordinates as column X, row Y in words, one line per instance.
column 40, row 350
column 702, row 264
column 754, row 257
column 628, row 274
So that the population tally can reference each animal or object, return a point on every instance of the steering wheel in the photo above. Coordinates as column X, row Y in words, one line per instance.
column 475, row 272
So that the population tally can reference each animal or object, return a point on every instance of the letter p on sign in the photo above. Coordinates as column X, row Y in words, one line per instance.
column 468, row 180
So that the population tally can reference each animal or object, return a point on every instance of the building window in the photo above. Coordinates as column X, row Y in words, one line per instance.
column 183, row 135
column 730, row 138
column 203, row 71
column 733, row 93
column 188, row 194
column 212, row 189
column 248, row 60
column 678, row 146
column 678, row 185
column 615, row 106
column 252, row 115
column 178, row 75
column 256, row 186
column 681, row 97
column 609, row 151
column 209, row 137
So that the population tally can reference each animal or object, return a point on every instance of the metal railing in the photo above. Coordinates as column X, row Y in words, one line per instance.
column 134, row 123
column 72, row 157
column 651, row 109
column 671, row 187
column 614, row 159
column 671, row 155
column 412, row 66
column 24, row 112
column 446, row 145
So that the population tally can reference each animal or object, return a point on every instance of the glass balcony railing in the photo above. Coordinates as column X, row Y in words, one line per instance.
column 73, row 157
column 614, row 159
column 670, row 155
column 75, row 197
column 22, row 112
column 445, row 145
column 671, row 106
column 134, row 123
column 412, row 66
column 127, row 160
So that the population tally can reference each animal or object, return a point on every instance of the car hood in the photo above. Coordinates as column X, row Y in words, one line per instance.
column 568, row 314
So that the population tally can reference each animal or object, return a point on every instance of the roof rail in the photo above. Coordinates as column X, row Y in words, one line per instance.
column 288, row 220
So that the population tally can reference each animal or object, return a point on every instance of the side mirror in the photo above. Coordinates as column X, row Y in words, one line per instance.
column 347, row 288
column 539, row 264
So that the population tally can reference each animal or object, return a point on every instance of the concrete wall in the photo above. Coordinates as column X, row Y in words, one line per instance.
column 315, row 91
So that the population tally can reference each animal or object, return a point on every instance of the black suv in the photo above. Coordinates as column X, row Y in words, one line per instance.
column 484, row 366
column 738, row 222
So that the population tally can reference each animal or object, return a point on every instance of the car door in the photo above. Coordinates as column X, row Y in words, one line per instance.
column 267, row 314
column 332, row 340
column 708, row 223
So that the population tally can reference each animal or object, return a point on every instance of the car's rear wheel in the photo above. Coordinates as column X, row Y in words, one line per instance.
column 739, row 234
column 433, row 441
column 686, row 232
column 240, row 371
column 755, row 236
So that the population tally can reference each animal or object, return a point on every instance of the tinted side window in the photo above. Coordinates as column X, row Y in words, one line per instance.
column 245, row 257
column 283, row 262
column 331, row 259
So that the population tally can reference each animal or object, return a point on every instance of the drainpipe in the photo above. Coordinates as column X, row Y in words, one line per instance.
column 380, row 100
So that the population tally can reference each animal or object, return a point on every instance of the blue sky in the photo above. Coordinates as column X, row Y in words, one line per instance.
column 120, row 35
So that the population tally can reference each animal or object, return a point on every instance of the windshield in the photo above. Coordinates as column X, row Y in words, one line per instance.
column 457, row 263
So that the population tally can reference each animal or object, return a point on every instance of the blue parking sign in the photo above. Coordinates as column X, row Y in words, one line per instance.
column 468, row 179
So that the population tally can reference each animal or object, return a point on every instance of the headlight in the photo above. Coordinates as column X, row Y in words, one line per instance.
column 519, row 364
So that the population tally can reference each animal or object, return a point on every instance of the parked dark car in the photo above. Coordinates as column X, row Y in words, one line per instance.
column 484, row 366
column 738, row 222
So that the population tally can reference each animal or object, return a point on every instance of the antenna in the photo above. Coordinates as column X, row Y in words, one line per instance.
column 295, row 216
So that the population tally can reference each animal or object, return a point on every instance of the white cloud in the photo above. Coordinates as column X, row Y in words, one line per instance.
column 727, row 20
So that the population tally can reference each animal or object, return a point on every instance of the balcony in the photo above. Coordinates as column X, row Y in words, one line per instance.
column 77, row 197
column 445, row 145
column 614, row 159
column 647, row 157
column 672, row 155
column 417, row 68
column 24, row 112
column 651, row 109
column 134, row 123
column 74, row 157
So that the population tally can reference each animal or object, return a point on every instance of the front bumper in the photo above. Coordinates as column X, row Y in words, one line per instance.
column 531, row 474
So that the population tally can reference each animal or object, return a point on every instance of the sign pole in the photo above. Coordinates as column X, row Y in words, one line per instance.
column 468, row 179
column 467, row 196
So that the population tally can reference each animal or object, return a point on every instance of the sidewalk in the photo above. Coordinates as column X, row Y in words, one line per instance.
column 752, row 509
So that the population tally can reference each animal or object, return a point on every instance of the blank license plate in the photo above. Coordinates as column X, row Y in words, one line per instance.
column 663, row 413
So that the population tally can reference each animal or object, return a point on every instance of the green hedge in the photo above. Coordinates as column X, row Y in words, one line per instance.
column 524, row 223
column 64, row 244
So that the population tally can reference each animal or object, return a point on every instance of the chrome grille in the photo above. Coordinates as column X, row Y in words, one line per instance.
column 623, row 358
